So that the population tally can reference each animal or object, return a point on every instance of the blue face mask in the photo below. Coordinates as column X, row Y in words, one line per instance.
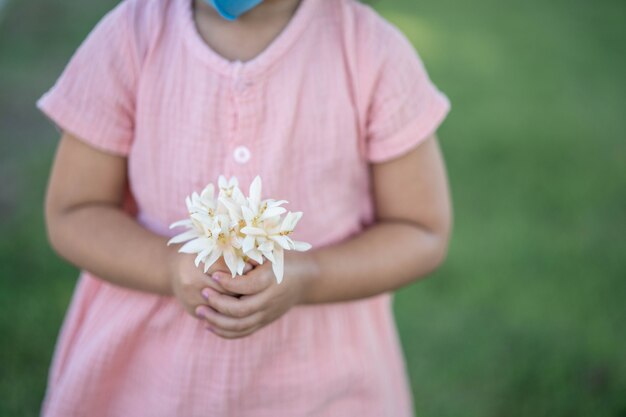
column 232, row 9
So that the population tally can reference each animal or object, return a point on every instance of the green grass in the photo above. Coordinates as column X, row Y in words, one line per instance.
column 527, row 316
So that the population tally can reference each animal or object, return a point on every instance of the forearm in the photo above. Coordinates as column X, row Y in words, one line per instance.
column 385, row 257
column 107, row 242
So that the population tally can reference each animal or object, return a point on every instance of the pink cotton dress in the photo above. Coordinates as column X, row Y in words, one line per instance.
column 338, row 89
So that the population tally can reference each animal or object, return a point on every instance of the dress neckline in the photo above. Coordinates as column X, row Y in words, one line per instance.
column 262, row 61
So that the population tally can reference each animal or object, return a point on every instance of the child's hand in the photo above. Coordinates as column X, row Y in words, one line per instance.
column 187, row 280
column 263, row 300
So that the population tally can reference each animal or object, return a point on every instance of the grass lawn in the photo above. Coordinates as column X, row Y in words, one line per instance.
column 527, row 316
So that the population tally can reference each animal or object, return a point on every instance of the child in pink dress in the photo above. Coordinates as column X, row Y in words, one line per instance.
column 330, row 114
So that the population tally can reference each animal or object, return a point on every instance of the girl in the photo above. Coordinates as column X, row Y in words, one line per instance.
column 332, row 107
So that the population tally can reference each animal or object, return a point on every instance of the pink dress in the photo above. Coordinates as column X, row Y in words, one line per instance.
column 338, row 89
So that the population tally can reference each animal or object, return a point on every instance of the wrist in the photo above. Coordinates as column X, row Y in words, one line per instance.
column 171, row 259
column 308, row 274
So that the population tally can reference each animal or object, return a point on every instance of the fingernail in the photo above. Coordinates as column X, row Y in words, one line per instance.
column 205, row 294
column 216, row 277
column 201, row 312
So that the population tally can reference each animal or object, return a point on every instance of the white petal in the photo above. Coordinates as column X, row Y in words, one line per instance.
column 268, row 245
column 201, row 256
column 196, row 245
column 254, row 231
column 282, row 241
column 223, row 221
column 236, row 241
column 216, row 229
column 231, row 260
column 278, row 264
column 255, row 192
column 272, row 225
column 195, row 201
column 269, row 254
column 233, row 210
column 248, row 244
column 214, row 256
column 290, row 221
column 296, row 219
column 256, row 256
column 203, row 218
column 240, row 265
column 273, row 211
column 301, row 246
column 284, row 227
column 185, row 222
column 183, row 237
column 274, row 203
column 222, row 182
column 247, row 213
column 238, row 196
column 208, row 194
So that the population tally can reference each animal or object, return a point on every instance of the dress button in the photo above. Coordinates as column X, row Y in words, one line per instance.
column 241, row 154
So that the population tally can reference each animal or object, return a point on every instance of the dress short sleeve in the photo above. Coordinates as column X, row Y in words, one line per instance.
column 406, row 107
column 94, row 97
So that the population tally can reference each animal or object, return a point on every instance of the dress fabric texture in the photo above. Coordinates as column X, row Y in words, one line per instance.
column 340, row 88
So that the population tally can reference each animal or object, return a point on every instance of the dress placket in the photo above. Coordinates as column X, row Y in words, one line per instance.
column 241, row 150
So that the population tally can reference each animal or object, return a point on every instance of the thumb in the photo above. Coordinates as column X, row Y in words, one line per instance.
column 249, row 266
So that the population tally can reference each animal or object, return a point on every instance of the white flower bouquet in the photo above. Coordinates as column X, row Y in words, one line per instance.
column 237, row 227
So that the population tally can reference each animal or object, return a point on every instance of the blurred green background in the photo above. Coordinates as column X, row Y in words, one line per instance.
column 526, row 318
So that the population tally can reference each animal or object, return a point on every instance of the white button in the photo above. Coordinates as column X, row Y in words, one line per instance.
column 241, row 154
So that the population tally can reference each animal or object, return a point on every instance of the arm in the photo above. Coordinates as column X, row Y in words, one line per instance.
column 408, row 241
column 86, row 226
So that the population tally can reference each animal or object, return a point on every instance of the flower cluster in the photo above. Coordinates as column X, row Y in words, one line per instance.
column 237, row 227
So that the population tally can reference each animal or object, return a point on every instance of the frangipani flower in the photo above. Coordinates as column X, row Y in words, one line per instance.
column 229, row 187
column 273, row 240
column 228, row 245
column 204, row 202
column 237, row 227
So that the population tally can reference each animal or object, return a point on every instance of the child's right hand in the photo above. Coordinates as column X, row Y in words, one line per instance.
column 187, row 280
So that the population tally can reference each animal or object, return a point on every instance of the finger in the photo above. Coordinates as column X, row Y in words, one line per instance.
column 218, row 266
column 208, row 292
column 234, row 307
column 190, row 296
column 253, row 282
column 220, row 321
column 192, row 300
column 227, row 334
column 214, row 285
column 208, row 281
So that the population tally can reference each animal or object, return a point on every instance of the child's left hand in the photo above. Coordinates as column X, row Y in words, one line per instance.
column 263, row 300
